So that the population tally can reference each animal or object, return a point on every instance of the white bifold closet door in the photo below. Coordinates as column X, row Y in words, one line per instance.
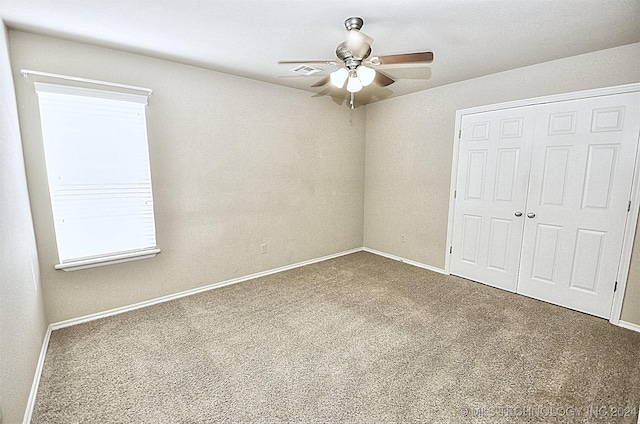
column 556, row 232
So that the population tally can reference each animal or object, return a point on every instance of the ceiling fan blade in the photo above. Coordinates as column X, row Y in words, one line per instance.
column 288, row 62
column 411, row 73
column 322, row 81
column 391, row 59
column 337, row 96
column 383, row 79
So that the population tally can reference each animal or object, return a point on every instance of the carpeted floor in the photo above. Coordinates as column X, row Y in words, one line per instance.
column 359, row 338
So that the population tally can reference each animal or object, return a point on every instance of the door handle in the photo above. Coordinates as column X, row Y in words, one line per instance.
column 531, row 215
column 518, row 214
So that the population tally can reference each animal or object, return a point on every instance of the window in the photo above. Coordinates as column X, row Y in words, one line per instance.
column 97, row 158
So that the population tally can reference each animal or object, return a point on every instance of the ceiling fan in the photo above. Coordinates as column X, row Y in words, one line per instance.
column 358, row 70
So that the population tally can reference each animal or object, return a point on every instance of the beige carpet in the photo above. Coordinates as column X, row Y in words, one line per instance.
column 359, row 338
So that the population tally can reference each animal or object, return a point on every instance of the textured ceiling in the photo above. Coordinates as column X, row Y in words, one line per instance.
column 469, row 38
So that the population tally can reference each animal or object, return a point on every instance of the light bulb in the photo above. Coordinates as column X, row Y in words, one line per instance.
column 354, row 85
column 339, row 77
column 366, row 75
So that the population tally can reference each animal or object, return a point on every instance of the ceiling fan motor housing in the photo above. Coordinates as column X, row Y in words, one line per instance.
column 357, row 47
column 346, row 51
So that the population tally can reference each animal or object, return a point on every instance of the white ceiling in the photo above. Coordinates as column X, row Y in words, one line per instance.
column 469, row 38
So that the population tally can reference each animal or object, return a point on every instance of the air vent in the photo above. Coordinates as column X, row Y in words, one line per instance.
column 305, row 70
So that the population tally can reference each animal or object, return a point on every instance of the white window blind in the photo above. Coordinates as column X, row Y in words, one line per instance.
column 97, row 159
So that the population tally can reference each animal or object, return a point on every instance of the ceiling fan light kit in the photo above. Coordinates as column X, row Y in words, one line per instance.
column 354, row 85
column 359, row 77
column 366, row 74
column 339, row 77
column 354, row 53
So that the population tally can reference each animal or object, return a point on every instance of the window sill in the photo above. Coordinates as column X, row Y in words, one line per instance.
column 107, row 260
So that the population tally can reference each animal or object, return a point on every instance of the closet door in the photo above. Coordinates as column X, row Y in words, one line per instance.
column 581, row 173
column 493, row 170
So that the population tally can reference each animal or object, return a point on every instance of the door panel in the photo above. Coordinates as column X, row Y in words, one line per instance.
column 506, row 175
column 476, row 166
column 581, row 173
column 499, row 235
column 554, row 179
column 600, row 170
column 545, row 253
column 493, row 167
column 471, row 238
column 587, row 260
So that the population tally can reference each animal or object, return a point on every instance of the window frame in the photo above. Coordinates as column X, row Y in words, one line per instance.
column 143, row 247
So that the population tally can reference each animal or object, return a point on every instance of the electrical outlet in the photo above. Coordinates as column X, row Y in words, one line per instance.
column 402, row 239
column 263, row 248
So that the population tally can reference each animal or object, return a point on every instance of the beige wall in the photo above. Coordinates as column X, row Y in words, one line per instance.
column 235, row 163
column 410, row 145
column 22, row 316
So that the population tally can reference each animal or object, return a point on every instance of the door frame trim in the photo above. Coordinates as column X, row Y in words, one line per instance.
column 632, row 216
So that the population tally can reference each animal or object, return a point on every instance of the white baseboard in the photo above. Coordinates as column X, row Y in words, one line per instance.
column 629, row 326
column 31, row 402
column 122, row 309
column 407, row 261
column 110, row 312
